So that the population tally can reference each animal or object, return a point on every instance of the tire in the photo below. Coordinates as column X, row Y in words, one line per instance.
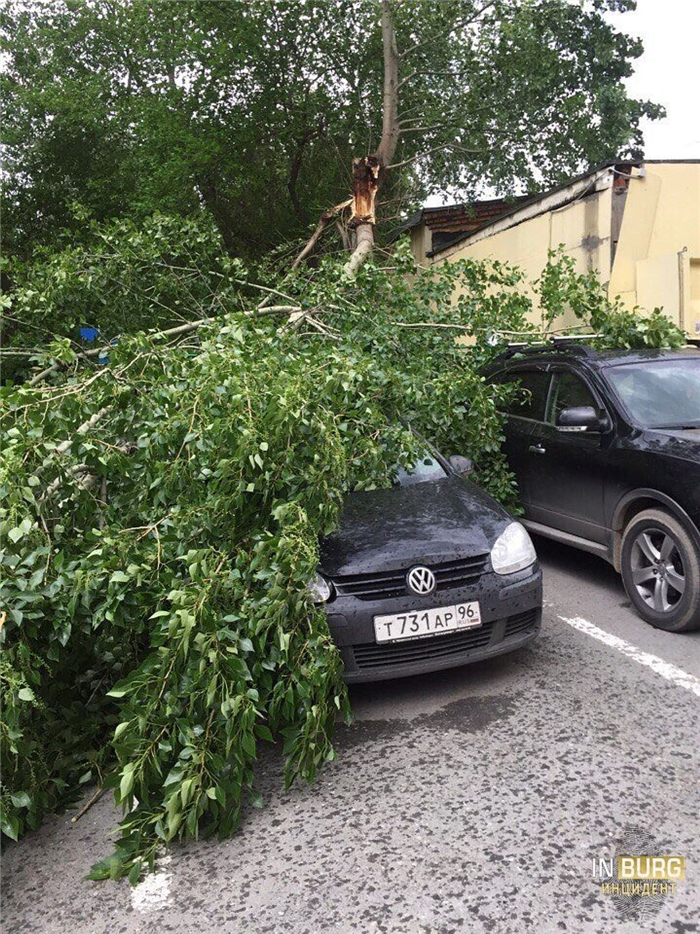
column 660, row 566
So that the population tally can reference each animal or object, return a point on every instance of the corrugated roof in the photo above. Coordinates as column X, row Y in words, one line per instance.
column 455, row 219
column 464, row 218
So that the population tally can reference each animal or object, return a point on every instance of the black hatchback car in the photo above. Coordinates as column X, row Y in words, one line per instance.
column 429, row 574
column 605, row 446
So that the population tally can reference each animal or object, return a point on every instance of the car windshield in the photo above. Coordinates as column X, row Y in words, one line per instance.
column 425, row 469
column 660, row 394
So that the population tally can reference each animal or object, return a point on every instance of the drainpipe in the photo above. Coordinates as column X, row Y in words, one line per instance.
column 683, row 287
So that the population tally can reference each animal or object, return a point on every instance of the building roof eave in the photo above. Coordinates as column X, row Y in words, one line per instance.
column 553, row 198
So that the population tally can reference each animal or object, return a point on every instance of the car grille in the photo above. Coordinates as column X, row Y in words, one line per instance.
column 386, row 584
column 520, row 623
column 377, row 656
column 374, row 655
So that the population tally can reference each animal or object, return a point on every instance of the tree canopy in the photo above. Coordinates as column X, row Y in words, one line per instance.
column 254, row 110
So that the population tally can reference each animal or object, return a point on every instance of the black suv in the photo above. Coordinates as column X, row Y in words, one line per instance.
column 605, row 446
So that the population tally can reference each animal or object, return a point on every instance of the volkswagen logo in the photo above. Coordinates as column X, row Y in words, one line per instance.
column 421, row 580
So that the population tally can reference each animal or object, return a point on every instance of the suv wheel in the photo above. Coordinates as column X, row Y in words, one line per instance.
column 661, row 571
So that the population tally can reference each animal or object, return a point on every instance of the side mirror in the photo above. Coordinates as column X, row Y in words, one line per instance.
column 581, row 418
column 461, row 465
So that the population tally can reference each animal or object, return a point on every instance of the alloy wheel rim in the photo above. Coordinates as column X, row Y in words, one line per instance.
column 658, row 573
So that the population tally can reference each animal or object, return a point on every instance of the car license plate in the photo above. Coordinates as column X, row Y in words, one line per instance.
column 421, row 623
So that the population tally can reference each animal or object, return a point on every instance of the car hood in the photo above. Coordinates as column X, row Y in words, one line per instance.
column 427, row 523
column 676, row 442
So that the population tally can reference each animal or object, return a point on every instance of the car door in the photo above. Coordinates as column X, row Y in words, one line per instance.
column 524, row 412
column 566, row 484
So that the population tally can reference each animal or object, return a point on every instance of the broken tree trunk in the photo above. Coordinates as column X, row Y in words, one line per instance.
column 365, row 184
column 368, row 172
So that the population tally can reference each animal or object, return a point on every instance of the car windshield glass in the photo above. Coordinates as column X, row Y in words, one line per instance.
column 425, row 469
column 663, row 394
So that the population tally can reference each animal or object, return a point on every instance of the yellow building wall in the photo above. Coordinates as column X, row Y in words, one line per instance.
column 656, row 263
column 692, row 291
column 421, row 244
column 657, row 259
column 582, row 228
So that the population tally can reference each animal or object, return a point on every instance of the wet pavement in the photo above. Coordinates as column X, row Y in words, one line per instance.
column 471, row 800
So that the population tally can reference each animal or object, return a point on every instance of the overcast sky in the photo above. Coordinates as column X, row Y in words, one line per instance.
column 668, row 73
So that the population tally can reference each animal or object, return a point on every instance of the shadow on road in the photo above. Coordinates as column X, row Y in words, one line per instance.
column 407, row 697
column 588, row 569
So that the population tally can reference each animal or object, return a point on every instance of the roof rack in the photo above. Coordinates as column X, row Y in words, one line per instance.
column 554, row 345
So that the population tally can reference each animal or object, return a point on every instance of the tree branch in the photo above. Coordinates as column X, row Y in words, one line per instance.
column 86, row 807
column 323, row 222
column 426, row 129
column 182, row 328
column 343, row 234
column 421, row 155
column 460, row 24
column 431, row 324
column 453, row 74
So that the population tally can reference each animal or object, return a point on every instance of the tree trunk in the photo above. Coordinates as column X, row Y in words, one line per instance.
column 220, row 211
column 368, row 172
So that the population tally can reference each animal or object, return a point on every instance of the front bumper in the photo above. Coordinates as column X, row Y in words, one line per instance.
column 511, row 613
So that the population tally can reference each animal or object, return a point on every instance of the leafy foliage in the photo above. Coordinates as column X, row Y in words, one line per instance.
column 562, row 289
column 255, row 109
column 161, row 516
column 115, row 277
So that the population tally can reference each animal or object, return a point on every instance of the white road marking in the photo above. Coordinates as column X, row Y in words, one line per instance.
column 154, row 892
column 676, row 675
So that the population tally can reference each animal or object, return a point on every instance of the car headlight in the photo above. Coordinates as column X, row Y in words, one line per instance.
column 513, row 550
column 320, row 589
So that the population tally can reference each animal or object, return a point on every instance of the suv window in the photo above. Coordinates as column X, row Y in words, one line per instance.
column 568, row 392
column 531, row 400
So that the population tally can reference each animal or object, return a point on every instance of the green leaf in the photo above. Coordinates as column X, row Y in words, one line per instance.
column 248, row 744
column 10, row 827
column 263, row 732
column 126, row 784
column 21, row 799
column 121, row 727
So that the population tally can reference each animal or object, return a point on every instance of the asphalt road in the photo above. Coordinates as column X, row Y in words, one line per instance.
column 473, row 800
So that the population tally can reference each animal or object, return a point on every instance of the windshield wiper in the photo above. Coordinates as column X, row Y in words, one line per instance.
column 678, row 427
